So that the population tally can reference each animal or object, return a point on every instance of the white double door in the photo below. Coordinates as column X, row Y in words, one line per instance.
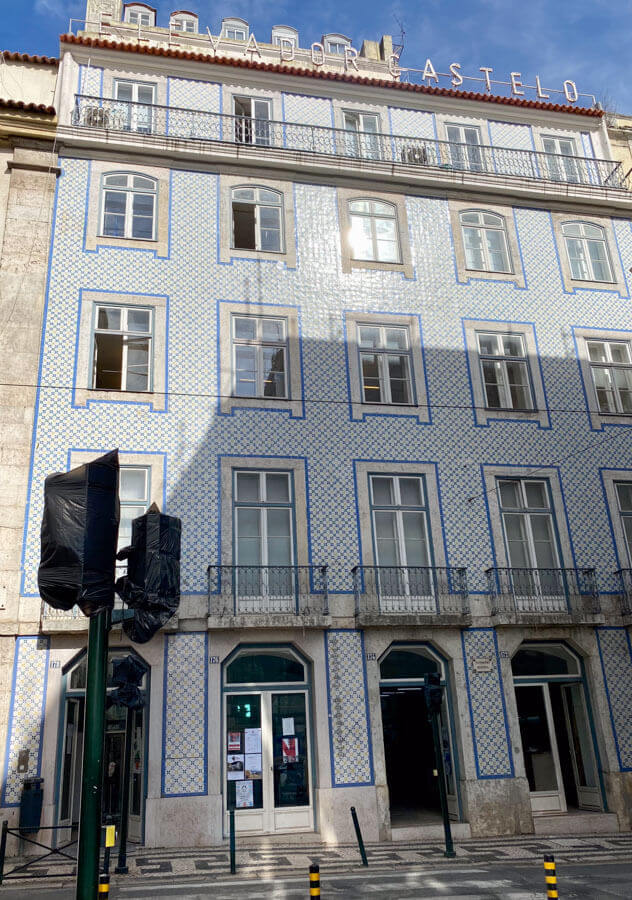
column 268, row 766
column 542, row 750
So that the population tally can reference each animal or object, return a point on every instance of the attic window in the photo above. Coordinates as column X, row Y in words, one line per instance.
column 184, row 23
column 235, row 30
column 336, row 44
column 141, row 15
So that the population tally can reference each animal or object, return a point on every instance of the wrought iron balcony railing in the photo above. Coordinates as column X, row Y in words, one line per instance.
column 196, row 125
column 264, row 590
column 543, row 591
column 412, row 590
column 625, row 591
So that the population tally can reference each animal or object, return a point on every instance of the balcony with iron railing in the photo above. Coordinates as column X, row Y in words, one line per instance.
column 543, row 596
column 624, row 578
column 267, row 595
column 425, row 155
column 410, row 594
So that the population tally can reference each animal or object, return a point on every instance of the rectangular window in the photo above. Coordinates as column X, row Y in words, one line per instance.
column 361, row 138
column 624, row 503
column 401, row 535
column 235, row 34
column 264, row 542
column 385, row 364
column 134, row 494
column 611, row 367
column 505, row 371
column 136, row 109
column 122, row 349
column 561, row 159
column 139, row 18
column 252, row 121
column 260, row 357
column 465, row 147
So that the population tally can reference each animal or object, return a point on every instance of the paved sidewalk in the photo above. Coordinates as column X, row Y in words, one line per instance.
column 261, row 861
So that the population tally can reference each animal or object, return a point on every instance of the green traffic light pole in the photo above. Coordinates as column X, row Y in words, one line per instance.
column 443, row 793
column 92, row 774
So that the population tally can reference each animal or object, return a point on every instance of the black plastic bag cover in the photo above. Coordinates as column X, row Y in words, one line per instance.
column 79, row 536
column 152, row 584
column 127, row 674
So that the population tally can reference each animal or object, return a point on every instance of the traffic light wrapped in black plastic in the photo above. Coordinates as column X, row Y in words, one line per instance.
column 79, row 536
column 152, row 584
column 127, row 675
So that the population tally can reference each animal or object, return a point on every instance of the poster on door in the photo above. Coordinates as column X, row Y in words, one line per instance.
column 252, row 740
column 253, row 765
column 289, row 747
column 234, row 741
column 244, row 795
column 235, row 766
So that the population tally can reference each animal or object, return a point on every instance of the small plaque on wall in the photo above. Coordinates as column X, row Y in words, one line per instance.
column 482, row 664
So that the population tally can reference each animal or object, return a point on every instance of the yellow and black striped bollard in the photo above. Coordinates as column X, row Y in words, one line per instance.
column 314, row 881
column 104, row 885
column 550, row 877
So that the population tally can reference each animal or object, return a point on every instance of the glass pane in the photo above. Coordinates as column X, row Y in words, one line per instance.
column 518, row 381
column 254, row 668
column 245, row 329
column 494, row 384
column 597, row 351
column 108, row 362
column 410, row 491
column 577, row 259
column 138, row 320
column 407, row 664
column 619, row 353
column 512, row 345
column 248, row 537
column 497, row 250
column 624, row 493
column 398, row 378
column 360, row 206
column 396, row 338
column 385, row 538
column 247, row 194
column 242, row 711
column 536, row 741
column 268, row 196
column 599, row 259
column 369, row 336
column 248, row 486
column 360, row 238
column 371, row 378
column 604, row 389
column 382, row 491
column 123, row 90
column 415, row 538
column 132, row 484
column 145, row 93
column 273, row 372
column 543, row 543
column 245, row 371
column 536, row 494
column 552, row 661
column 116, row 180
column 510, row 494
column 109, row 318
column 277, row 487
column 115, row 202
column 137, row 375
column 517, row 546
column 128, row 514
column 488, row 344
column 580, row 736
column 272, row 329
column 473, row 241
column 289, row 744
column 623, row 382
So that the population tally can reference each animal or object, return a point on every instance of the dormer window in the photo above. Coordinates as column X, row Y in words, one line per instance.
column 235, row 29
column 285, row 34
column 336, row 44
column 139, row 14
column 184, row 21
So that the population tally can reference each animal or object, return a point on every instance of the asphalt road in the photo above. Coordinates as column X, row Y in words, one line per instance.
column 511, row 882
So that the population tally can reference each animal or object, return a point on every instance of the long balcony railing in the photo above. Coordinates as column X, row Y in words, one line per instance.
column 543, row 591
column 196, row 125
column 263, row 590
column 625, row 591
column 412, row 590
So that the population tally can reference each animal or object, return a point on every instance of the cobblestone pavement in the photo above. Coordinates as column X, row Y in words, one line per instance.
column 291, row 859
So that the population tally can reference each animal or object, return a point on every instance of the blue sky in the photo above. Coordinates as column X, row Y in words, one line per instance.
column 587, row 41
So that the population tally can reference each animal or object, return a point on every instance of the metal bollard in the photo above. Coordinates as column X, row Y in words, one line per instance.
column 550, row 877
column 104, row 877
column 314, row 881
column 356, row 825
column 104, row 885
column 231, row 821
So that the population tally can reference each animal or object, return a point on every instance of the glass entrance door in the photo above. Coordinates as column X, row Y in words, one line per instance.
column 539, row 746
column 581, row 750
column 268, row 761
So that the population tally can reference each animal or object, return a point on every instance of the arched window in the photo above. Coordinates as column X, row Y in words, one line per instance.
column 336, row 43
column 374, row 235
column 129, row 206
column 485, row 241
column 408, row 664
column 257, row 219
column 539, row 660
column 263, row 666
column 587, row 251
column 139, row 14
column 235, row 29
column 184, row 21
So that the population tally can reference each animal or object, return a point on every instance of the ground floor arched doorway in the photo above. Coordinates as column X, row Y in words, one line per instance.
column 409, row 751
column 558, row 745
column 117, row 723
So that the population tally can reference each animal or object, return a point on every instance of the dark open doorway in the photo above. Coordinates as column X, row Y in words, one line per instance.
column 410, row 758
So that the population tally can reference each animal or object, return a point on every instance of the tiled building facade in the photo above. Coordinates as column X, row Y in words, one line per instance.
column 371, row 343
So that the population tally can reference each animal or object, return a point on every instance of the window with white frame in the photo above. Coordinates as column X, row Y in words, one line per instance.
column 611, row 368
column 504, row 371
column 234, row 29
column 528, row 523
column 257, row 219
column 138, row 16
column 624, row 503
column 134, row 497
column 464, row 144
column 122, row 348
column 485, row 241
column 135, row 110
column 361, row 134
column 129, row 206
column 184, row 23
column 252, row 121
column 284, row 36
column 587, row 250
column 263, row 510
column 385, row 364
column 374, row 235
column 336, row 44
column 260, row 357
column 561, row 161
